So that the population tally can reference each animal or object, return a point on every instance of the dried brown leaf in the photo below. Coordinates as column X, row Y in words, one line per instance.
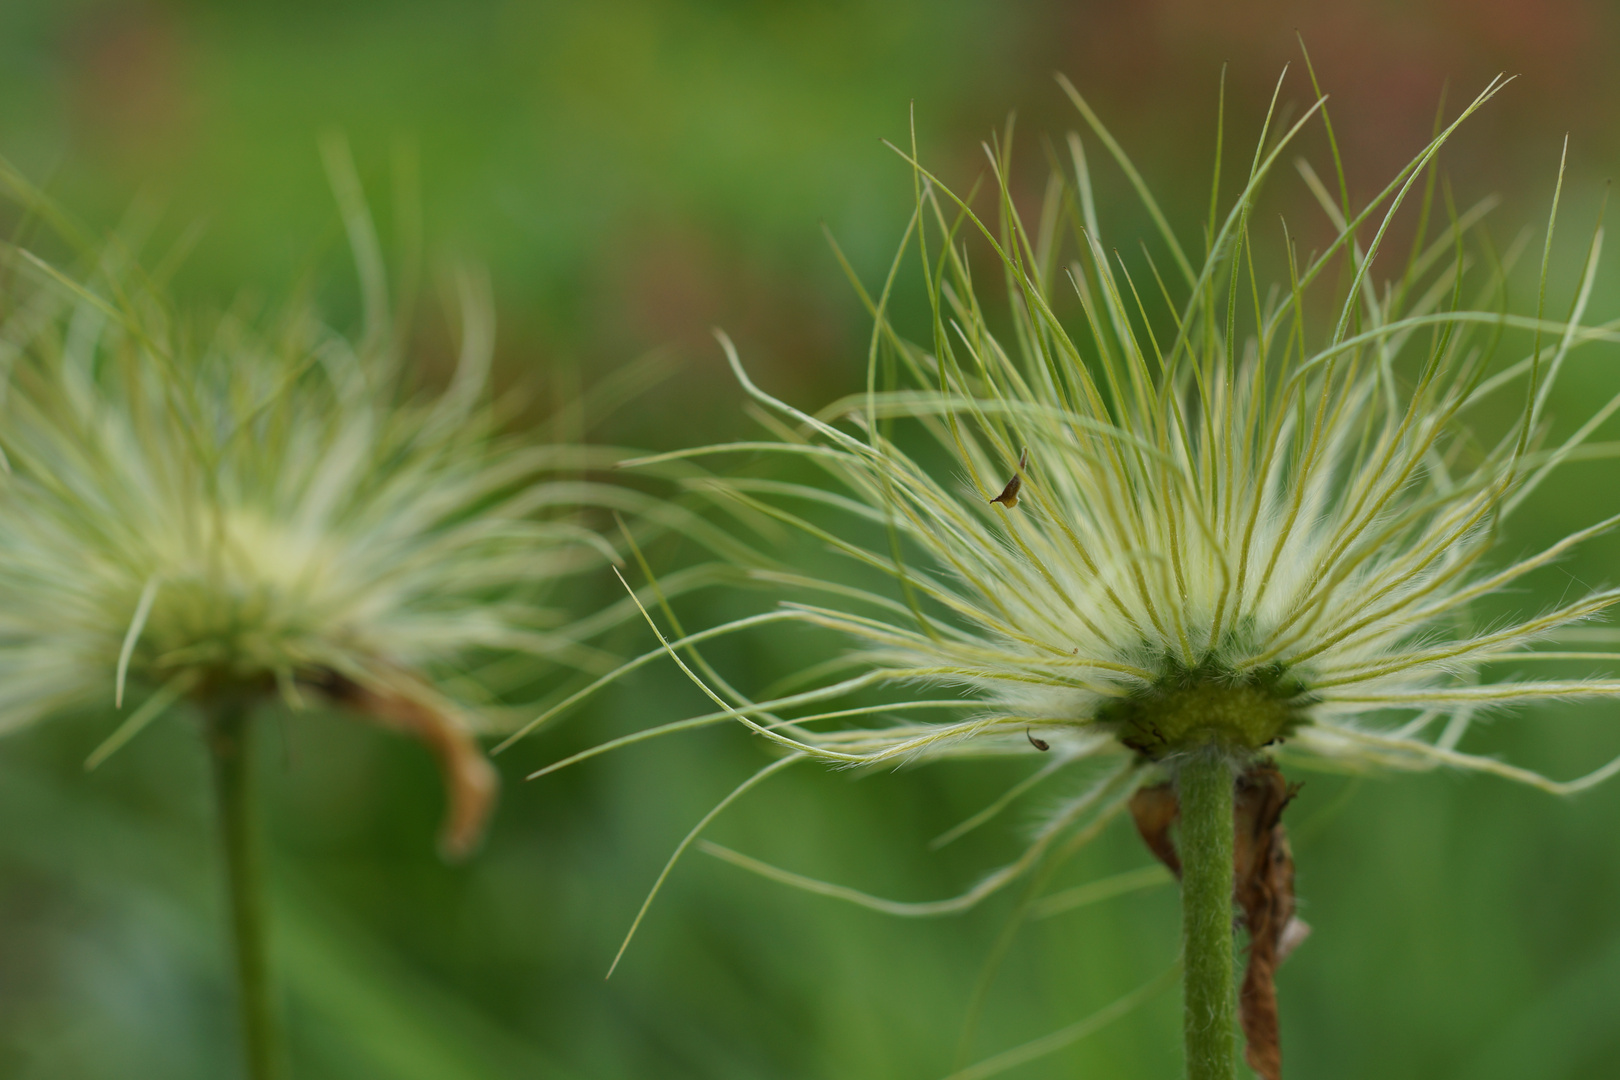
column 1155, row 810
column 470, row 781
column 1263, row 872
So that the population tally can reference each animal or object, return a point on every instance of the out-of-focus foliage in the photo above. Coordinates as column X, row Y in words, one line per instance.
column 634, row 172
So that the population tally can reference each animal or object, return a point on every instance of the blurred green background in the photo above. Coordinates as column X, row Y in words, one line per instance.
column 633, row 172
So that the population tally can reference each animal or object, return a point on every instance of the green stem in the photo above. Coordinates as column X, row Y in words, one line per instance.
column 229, row 745
column 1205, row 785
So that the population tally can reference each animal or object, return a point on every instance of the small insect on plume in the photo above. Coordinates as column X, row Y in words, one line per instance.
column 1009, row 494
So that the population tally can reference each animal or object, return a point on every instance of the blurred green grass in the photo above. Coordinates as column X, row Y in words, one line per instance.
column 634, row 172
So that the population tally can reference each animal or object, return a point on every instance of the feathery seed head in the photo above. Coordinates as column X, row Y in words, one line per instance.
column 1170, row 517
column 220, row 509
column 1180, row 508
column 1229, row 519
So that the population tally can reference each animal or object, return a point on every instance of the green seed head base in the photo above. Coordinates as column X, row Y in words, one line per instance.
column 1207, row 705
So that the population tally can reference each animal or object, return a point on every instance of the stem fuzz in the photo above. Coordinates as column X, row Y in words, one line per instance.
column 1204, row 785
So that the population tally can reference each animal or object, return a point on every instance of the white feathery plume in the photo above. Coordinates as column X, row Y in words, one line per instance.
column 1176, row 508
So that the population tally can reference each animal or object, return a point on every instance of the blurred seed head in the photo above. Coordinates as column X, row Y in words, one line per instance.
column 213, row 508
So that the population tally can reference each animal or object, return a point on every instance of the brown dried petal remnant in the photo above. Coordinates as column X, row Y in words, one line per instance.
column 470, row 781
column 1263, row 889
column 1263, row 868
column 1155, row 809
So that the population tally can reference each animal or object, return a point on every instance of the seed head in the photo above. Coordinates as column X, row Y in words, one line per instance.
column 1229, row 519
column 213, row 509
column 1166, row 507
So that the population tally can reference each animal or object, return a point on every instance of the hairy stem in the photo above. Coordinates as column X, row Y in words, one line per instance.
column 1204, row 785
column 228, row 737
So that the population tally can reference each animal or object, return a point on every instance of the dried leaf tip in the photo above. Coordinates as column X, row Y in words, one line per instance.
column 470, row 782
column 1009, row 494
